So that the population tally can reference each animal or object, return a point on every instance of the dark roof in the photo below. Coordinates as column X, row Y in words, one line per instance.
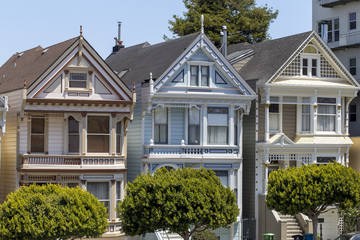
column 144, row 58
column 30, row 64
column 268, row 56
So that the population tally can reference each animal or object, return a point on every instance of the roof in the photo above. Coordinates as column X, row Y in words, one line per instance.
column 30, row 65
column 330, row 140
column 141, row 59
column 268, row 56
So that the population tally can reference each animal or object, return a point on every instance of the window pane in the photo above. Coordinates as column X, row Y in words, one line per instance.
column 204, row 76
column 326, row 123
column 194, row 126
column 305, row 123
column 78, row 76
column 73, row 125
column 98, row 143
column 98, row 124
column 74, row 143
column 314, row 67
column 160, row 133
column 274, row 108
column 217, row 135
column 352, row 66
column 37, row 125
column 223, row 176
column 77, row 84
column 305, row 69
column 161, row 115
column 274, row 121
column 194, row 71
column 37, row 143
column 352, row 20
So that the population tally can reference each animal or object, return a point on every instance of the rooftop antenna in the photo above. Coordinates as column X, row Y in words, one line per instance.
column 81, row 30
column 202, row 24
column 119, row 31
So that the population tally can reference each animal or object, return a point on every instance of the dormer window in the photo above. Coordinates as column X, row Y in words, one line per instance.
column 199, row 75
column 78, row 80
column 310, row 60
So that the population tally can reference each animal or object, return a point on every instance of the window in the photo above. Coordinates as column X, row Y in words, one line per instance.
column 78, row 80
column 309, row 66
column 219, row 79
column 217, row 125
column 161, row 125
column 118, row 195
column 73, row 135
column 352, row 113
column 223, row 176
column 118, row 138
column 352, row 20
column 326, row 114
column 37, row 142
column 305, row 118
column 101, row 191
column 194, row 126
column 352, row 66
column 325, row 160
column 203, row 72
column 333, row 30
column 179, row 78
column 236, row 120
column 98, row 134
column 73, row 185
column 274, row 117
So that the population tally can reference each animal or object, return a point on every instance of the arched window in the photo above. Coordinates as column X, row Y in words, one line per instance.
column 73, row 135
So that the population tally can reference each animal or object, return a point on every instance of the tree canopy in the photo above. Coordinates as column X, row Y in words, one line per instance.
column 245, row 21
column 183, row 201
column 51, row 212
column 310, row 189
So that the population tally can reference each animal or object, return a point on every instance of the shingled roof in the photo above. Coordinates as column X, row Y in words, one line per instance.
column 30, row 65
column 141, row 59
column 267, row 56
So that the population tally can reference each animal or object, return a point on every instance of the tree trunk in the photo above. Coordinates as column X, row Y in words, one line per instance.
column 315, row 222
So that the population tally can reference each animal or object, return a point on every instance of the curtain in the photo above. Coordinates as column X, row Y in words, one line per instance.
column 326, row 118
column 305, row 118
column 194, row 126
column 217, row 135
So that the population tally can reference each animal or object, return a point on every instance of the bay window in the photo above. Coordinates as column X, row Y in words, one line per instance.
column 161, row 125
column 217, row 125
column 73, row 135
column 326, row 114
column 37, row 135
column 194, row 126
column 98, row 134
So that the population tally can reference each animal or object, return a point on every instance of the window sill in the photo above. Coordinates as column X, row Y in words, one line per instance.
column 78, row 90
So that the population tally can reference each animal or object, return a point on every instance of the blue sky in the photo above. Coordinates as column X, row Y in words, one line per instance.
column 26, row 24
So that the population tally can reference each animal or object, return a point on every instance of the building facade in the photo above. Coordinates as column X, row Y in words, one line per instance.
column 338, row 23
column 67, row 123
column 189, row 111
column 301, row 118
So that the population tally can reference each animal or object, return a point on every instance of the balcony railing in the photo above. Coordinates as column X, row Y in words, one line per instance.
column 70, row 161
column 333, row 3
column 186, row 151
column 346, row 40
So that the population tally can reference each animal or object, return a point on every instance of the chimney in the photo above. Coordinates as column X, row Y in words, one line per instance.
column 118, row 42
column 224, row 41
column 324, row 31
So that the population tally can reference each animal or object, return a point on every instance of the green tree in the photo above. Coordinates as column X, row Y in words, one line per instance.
column 183, row 201
column 245, row 21
column 311, row 189
column 351, row 218
column 51, row 212
column 204, row 235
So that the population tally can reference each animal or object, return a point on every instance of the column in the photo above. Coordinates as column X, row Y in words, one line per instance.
column 338, row 113
column 267, row 115
column 112, row 200
column 266, row 172
column 231, row 125
column 240, row 133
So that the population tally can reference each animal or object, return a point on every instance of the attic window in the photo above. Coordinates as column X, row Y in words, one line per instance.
column 179, row 77
column 77, row 80
column 219, row 79
column 310, row 49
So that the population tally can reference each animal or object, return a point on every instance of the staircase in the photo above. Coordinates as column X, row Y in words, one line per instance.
column 293, row 227
column 166, row 235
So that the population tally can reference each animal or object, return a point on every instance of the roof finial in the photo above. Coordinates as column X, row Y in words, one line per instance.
column 24, row 82
column 134, row 89
column 202, row 24
column 81, row 30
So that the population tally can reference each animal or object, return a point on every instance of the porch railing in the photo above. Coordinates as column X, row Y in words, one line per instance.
column 70, row 160
column 190, row 151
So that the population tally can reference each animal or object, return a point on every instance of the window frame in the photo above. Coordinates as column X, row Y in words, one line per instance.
column 199, row 73
column 199, row 126
column 31, row 134
column 352, row 66
column 118, row 137
column 209, row 125
column 352, row 113
column 79, row 72
column 166, row 128
column 309, row 68
column 72, row 134
column 98, row 134
column 109, row 200
column 352, row 22
column 332, row 115
column 274, row 114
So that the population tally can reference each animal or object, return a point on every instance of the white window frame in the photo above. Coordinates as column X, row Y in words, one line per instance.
column 323, row 114
column 168, row 125
column 278, row 116
column 309, row 58
column 227, row 125
column 353, row 66
column 109, row 210
column 200, row 65
column 351, row 21
column 86, row 80
column 93, row 134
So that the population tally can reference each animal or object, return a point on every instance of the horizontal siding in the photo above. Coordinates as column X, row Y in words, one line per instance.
column 177, row 125
column 56, row 135
column 148, row 128
column 8, row 145
column 289, row 120
column 23, row 136
column 261, row 126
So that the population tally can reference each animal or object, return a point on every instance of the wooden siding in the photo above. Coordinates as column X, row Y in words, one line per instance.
column 134, row 140
column 23, row 136
column 8, row 146
column 289, row 120
column 56, row 135
column 148, row 128
column 248, row 145
column 177, row 126
column 261, row 125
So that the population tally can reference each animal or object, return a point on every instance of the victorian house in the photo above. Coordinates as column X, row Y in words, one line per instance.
column 4, row 107
column 67, row 122
column 300, row 117
column 189, row 111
